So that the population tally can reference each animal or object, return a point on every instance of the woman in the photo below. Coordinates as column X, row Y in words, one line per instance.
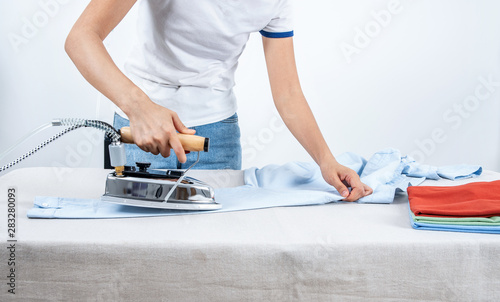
column 182, row 73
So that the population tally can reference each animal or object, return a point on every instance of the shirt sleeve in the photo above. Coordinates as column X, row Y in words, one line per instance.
column 281, row 25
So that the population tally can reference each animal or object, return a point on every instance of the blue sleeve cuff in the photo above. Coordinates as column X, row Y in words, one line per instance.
column 277, row 35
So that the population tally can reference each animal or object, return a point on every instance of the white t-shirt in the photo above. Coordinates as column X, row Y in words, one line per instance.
column 188, row 51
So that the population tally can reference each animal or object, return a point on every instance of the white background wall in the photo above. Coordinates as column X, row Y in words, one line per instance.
column 402, row 87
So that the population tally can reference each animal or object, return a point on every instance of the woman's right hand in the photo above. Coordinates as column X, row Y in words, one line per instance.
column 154, row 129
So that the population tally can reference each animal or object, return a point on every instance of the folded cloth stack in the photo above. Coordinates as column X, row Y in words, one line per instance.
column 293, row 184
column 474, row 207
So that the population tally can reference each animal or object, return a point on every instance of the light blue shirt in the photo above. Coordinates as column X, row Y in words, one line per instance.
column 292, row 184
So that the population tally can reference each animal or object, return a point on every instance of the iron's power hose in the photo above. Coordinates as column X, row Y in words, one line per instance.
column 73, row 123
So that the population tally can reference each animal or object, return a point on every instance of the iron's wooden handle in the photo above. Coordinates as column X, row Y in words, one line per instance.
column 189, row 142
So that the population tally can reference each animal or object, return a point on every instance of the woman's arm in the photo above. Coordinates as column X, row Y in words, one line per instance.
column 297, row 115
column 153, row 126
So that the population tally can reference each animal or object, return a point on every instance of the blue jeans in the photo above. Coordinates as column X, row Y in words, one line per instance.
column 224, row 151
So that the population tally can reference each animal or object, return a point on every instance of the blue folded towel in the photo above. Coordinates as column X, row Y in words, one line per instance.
column 292, row 184
column 453, row 227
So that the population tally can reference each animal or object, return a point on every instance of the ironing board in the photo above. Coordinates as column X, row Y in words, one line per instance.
column 333, row 252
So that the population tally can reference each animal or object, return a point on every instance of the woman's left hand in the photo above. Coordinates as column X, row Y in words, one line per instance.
column 342, row 177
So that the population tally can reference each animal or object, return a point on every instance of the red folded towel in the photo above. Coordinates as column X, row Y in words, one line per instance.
column 479, row 199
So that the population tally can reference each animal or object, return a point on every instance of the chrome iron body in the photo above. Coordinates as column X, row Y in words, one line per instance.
column 189, row 194
column 170, row 189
